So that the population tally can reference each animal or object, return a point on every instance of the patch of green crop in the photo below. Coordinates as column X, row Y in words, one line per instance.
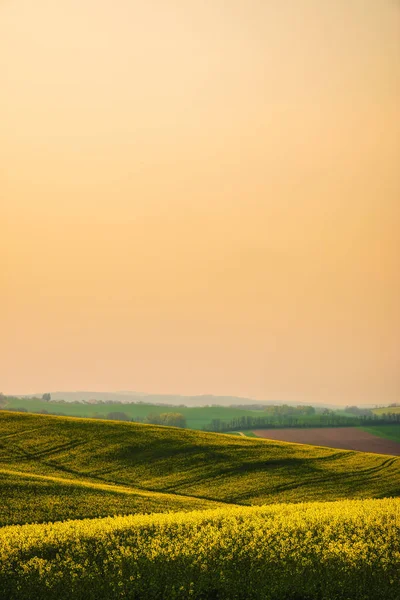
column 389, row 432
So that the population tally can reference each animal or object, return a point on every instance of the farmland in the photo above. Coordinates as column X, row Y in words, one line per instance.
column 343, row 550
column 125, row 465
column 352, row 438
column 104, row 510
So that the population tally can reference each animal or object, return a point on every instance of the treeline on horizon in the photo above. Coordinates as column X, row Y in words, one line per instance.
column 303, row 416
column 270, row 417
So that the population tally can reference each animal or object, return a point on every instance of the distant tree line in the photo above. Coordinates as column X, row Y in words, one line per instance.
column 302, row 416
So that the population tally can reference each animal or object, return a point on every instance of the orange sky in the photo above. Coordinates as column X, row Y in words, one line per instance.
column 201, row 197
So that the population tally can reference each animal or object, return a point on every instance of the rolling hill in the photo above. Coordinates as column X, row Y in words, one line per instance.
column 54, row 468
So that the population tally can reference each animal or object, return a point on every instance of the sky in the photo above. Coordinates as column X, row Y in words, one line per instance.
column 200, row 196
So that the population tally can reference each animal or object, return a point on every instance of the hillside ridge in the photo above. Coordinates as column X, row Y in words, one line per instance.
column 47, row 458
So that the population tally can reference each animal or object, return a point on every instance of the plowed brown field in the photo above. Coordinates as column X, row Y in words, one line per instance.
column 347, row 438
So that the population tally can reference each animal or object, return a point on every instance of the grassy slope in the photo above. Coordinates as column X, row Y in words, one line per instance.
column 389, row 432
column 185, row 464
column 196, row 417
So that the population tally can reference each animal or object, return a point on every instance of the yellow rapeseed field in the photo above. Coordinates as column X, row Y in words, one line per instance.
column 345, row 550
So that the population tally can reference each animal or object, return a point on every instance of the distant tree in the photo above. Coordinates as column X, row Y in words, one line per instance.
column 118, row 416
column 305, row 410
column 154, row 419
column 46, row 397
column 138, row 419
column 216, row 425
column 171, row 419
column 358, row 412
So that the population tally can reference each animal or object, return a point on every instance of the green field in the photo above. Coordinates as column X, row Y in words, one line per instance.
column 389, row 432
column 196, row 417
column 345, row 550
column 67, row 467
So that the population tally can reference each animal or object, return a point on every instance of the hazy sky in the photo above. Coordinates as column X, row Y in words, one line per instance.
column 201, row 196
